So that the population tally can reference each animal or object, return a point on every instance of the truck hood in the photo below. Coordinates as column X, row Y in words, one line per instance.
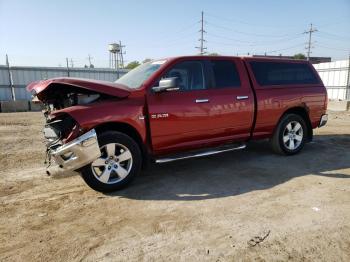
column 45, row 89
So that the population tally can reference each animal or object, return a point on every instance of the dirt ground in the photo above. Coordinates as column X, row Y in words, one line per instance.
column 210, row 209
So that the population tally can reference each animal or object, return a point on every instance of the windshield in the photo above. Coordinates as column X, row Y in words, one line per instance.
column 136, row 77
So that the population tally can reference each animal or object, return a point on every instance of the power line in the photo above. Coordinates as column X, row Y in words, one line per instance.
column 334, row 48
column 245, row 33
column 178, row 39
column 291, row 47
column 166, row 35
column 335, row 36
column 228, row 38
column 310, row 31
column 184, row 38
column 244, row 22
column 332, row 38
column 202, row 40
column 239, row 41
column 340, row 21
column 247, row 43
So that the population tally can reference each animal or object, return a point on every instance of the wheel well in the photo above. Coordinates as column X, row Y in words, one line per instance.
column 126, row 129
column 303, row 112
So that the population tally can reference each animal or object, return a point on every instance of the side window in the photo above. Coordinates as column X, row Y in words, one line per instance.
column 190, row 75
column 225, row 74
column 279, row 73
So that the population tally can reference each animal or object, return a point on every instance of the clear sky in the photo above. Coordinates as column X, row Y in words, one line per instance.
column 44, row 33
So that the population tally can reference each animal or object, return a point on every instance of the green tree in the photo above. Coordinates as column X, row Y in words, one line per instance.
column 299, row 56
column 213, row 54
column 132, row 65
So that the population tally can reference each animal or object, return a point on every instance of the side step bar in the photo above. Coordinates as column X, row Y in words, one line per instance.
column 208, row 152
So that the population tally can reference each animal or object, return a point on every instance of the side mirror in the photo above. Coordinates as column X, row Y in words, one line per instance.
column 167, row 84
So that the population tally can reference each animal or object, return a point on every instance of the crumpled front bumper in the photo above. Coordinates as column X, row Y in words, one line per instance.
column 77, row 153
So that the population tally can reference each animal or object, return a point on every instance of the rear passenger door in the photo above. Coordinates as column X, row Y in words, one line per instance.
column 230, row 99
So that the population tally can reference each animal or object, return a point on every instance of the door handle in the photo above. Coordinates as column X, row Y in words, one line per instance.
column 242, row 97
column 202, row 100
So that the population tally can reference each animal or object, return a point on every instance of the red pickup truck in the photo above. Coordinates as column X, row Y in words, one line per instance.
column 177, row 108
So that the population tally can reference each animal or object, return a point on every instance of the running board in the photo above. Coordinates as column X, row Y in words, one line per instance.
column 208, row 152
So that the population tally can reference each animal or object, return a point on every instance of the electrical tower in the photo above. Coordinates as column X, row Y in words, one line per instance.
column 309, row 44
column 202, row 40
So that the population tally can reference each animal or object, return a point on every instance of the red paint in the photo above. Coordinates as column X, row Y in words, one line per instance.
column 183, row 124
column 273, row 101
column 109, row 88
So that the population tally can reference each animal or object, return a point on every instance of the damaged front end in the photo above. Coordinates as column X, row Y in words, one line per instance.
column 69, row 145
column 72, row 155
column 75, row 154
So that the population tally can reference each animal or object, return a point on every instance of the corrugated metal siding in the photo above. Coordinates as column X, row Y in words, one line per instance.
column 5, row 92
column 22, row 76
column 21, row 93
column 335, row 77
column 4, row 76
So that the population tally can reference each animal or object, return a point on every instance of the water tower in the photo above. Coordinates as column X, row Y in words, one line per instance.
column 116, row 60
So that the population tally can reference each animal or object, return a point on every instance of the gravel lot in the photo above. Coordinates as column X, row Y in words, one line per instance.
column 211, row 209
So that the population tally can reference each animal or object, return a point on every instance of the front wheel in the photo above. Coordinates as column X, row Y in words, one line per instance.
column 290, row 135
column 119, row 163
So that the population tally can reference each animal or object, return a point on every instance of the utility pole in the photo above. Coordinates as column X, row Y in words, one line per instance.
column 309, row 44
column 67, row 66
column 121, row 54
column 10, row 79
column 71, row 62
column 89, row 58
column 201, row 40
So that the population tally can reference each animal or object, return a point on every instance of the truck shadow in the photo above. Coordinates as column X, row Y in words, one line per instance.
column 239, row 172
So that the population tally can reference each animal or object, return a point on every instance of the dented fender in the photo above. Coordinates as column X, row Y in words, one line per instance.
column 128, row 111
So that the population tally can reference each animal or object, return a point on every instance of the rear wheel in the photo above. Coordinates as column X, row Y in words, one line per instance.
column 290, row 135
column 119, row 163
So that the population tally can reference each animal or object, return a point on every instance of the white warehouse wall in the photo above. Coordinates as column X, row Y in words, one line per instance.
column 335, row 76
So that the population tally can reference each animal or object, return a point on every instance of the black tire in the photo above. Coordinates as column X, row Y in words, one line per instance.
column 90, row 175
column 277, row 141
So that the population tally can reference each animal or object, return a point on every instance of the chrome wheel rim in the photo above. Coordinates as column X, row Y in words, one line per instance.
column 293, row 135
column 114, row 165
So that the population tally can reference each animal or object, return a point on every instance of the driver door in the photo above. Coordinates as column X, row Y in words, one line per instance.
column 179, row 119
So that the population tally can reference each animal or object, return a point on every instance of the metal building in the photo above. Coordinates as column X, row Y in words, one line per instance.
column 22, row 76
column 336, row 77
